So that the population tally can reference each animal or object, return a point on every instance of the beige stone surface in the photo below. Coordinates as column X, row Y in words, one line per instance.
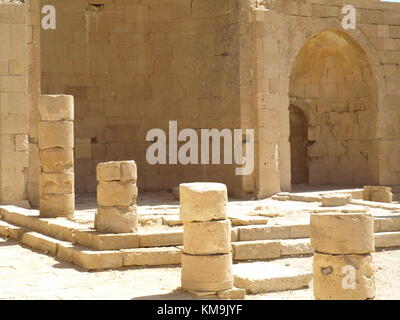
column 259, row 277
column 342, row 233
column 116, row 194
column 57, row 160
column 205, row 238
column 62, row 228
column 152, row 256
column 116, row 219
column 117, row 171
column 56, row 183
column 299, row 231
column 390, row 224
column 161, row 238
column 264, row 233
column 387, row 239
column 94, row 240
column 54, row 134
column 207, row 273
column 335, row 200
column 331, row 279
column 296, row 247
column 256, row 250
column 57, row 205
column 94, row 260
column 202, row 201
column 40, row 242
column 56, row 107
column 232, row 294
column 378, row 194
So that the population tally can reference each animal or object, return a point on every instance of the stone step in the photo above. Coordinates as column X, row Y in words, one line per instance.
column 387, row 239
column 152, row 256
column 261, row 277
column 376, row 205
column 92, row 259
column 65, row 230
column 305, row 197
column 59, row 228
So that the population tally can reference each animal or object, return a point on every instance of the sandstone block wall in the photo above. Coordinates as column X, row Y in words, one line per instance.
column 128, row 62
column 33, row 10
column 223, row 64
column 351, row 128
column 14, row 143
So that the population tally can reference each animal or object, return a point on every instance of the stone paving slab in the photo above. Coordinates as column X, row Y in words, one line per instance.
column 259, row 277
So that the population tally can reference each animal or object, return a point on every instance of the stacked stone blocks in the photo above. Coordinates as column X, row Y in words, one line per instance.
column 116, row 197
column 378, row 194
column 207, row 257
column 56, row 145
column 342, row 265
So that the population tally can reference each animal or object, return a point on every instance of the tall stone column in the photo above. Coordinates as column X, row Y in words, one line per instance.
column 56, row 143
column 342, row 265
column 207, row 257
column 116, row 196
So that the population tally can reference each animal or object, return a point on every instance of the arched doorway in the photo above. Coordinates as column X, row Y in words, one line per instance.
column 333, row 78
column 298, row 145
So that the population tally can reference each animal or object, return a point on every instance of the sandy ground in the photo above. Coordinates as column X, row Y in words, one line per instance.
column 25, row 274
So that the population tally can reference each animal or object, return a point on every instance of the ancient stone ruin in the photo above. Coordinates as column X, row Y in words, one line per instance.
column 223, row 149
column 343, row 243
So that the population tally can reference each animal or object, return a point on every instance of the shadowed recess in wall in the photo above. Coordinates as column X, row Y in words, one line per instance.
column 333, row 84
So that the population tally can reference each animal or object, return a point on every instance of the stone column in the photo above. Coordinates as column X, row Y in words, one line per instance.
column 342, row 266
column 56, row 143
column 116, row 196
column 207, row 257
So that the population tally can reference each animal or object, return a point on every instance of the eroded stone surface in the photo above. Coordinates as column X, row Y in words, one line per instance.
column 258, row 277
column 202, row 201
column 207, row 273
column 116, row 219
column 342, row 233
column 343, row 277
column 205, row 238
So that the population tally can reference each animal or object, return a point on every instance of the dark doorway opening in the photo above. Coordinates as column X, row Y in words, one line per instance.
column 298, row 145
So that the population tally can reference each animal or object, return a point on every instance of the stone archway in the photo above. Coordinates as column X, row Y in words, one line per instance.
column 332, row 76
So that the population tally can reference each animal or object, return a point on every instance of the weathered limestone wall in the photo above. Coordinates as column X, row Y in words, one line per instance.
column 133, row 66
column 280, row 32
column 333, row 83
column 34, row 80
column 14, row 143
column 229, row 64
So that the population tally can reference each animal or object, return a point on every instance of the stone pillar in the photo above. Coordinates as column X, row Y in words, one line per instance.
column 116, row 197
column 342, row 266
column 207, row 257
column 56, row 148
